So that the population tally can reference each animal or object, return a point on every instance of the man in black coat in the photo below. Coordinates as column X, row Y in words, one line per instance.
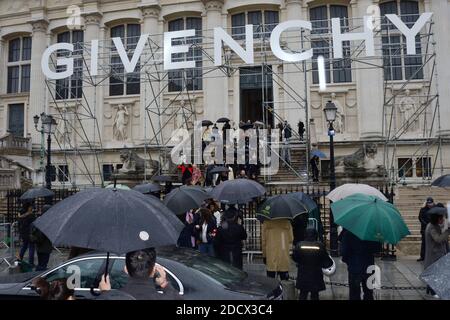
column 229, row 237
column 43, row 245
column 358, row 255
column 145, row 277
column 311, row 256
column 424, row 220
column 25, row 218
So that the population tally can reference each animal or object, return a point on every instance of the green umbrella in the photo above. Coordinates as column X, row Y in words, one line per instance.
column 370, row 218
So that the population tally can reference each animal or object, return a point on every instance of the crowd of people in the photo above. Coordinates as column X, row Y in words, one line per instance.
column 215, row 232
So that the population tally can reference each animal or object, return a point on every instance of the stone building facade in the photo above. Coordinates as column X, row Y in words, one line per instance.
column 96, row 121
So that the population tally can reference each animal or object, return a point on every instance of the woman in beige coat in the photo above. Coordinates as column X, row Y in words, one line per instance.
column 277, row 239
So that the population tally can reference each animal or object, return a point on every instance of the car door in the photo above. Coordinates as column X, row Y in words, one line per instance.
column 82, row 273
column 119, row 278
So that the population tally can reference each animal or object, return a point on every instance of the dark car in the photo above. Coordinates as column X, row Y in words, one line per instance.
column 194, row 275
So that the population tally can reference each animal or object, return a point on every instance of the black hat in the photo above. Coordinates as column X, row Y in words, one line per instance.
column 430, row 200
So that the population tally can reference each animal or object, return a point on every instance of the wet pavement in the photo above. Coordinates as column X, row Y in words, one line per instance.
column 402, row 274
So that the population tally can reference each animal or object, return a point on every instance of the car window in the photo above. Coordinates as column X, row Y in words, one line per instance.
column 222, row 272
column 119, row 278
column 89, row 270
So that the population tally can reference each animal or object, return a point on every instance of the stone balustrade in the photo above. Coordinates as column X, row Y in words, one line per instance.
column 13, row 145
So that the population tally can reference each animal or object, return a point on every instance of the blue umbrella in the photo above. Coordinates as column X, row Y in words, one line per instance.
column 318, row 153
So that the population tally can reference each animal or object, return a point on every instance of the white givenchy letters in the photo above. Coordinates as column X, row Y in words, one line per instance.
column 220, row 36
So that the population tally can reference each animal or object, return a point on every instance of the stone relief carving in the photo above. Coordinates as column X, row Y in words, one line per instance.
column 120, row 125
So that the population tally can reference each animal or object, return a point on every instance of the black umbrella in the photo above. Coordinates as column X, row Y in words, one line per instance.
column 110, row 220
column 185, row 198
column 162, row 178
column 38, row 192
column 283, row 206
column 437, row 276
column 438, row 211
column 219, row 169
column 237, row 191
column 223, row 120
column 206, row 123
column 442, row 181
column 147, row 188
column 246, row 126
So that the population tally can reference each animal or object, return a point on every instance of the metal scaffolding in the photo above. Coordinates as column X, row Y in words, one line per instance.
column 84, row 149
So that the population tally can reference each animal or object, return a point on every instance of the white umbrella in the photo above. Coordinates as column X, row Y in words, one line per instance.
column 351, row 188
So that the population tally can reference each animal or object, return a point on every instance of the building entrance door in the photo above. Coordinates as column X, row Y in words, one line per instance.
column 256, row 95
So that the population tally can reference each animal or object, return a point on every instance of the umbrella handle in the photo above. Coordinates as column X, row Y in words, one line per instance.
column 107, row 264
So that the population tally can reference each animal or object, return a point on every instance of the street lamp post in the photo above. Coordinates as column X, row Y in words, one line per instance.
column 330, row 111
column 48, row 126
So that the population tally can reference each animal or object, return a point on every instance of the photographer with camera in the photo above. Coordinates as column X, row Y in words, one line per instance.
column 145, row 277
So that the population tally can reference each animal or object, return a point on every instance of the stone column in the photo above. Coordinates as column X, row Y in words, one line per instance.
column 150, row 85
column 369, row 83
column 441, row 16
column 93, row 93
column 3, row 59
column 215, row 85
column 294, row 81
column 37, row 78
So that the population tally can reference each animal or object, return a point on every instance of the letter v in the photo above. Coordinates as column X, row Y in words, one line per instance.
column 130, row 65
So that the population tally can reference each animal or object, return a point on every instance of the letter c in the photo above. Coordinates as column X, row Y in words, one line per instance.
column 275, row 41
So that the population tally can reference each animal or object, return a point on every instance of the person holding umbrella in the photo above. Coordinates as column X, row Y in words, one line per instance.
column 43, row 245
column 277, row 237
column 229, row 237
column 144, row 278
column 436, row 239
column 424, row 219
column 26, row 217
column 315, row 167
column 358, row 255
column 311, row 256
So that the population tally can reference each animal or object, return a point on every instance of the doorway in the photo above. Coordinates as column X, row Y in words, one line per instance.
column 252, row 95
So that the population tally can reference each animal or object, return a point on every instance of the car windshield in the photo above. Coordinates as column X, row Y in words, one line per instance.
column 214, row 268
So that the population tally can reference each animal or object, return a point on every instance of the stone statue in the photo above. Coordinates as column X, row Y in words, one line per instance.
column 63, row 131
column 121, row 123
column 361, row 163
column 339, row 123
column 179, row 116
column 132, row 163
column 407, row 110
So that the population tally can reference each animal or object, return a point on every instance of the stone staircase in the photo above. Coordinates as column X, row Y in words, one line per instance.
column 285, row 174
column 409, row 200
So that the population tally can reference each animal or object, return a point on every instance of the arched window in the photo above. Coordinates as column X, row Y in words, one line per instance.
column 19, row 65
column 189, row 79
column 72, row 87
column 119, row 82
column 338, row 70
column 263, row 21
column 398, row 65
